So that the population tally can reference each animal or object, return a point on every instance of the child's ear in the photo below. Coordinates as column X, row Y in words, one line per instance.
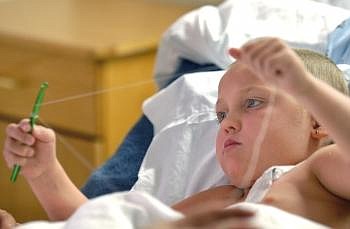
column 318, row 131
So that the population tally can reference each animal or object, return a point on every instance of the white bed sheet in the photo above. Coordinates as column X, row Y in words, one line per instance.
column 136, row 210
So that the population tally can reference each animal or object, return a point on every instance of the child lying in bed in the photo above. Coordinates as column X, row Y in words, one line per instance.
column 302, row 123
column 260, row 126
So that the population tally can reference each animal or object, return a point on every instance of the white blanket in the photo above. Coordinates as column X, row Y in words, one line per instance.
column 139, row 210
column 204, row 35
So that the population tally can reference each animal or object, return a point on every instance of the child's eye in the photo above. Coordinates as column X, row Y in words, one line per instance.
column 220, row 116
column 252, row 103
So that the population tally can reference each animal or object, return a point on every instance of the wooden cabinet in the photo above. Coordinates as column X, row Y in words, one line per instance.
column 97, row 57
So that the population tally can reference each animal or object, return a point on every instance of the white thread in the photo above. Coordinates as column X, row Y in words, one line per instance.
column 71, row 148
column 258, row 141
column 96, row 92
column 256, row 148
column 65, row 143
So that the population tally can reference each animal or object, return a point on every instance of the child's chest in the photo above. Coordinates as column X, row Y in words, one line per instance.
column 299, row 192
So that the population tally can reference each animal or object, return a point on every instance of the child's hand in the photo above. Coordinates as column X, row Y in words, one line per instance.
column 35, row 152
column 274, row 62
column 6, row 220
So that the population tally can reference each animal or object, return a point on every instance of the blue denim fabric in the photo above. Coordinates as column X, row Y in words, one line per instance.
column 187, row 66
column 119, row 173
column 338, row 47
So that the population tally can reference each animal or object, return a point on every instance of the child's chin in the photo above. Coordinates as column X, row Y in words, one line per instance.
column 240, row 181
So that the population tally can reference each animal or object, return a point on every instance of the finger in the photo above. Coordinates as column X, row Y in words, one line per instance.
column 235, row 53
column 264, row 57
column 18, row 148
column 274, row 66
column 267, row 55
column 12, row 159
column 252, row 48
column 245, row 51
column 246, row 54
column 25, row 125
column 238, row 212
column 255, row 55
column 215, row 216
column 250, row 44
column 210, row 205
column 231, row 213
column 257, row 48
column 13, row 131
column 44, row 134
column 230, row 223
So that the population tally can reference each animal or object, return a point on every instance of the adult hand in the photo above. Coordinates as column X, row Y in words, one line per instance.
column 6, row 220
column 211, row 219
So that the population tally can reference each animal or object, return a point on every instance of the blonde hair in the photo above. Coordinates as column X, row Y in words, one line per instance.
column 324, row 69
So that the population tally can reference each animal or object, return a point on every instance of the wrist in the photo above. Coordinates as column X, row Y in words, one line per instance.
column 48, row 175
column 303, row 88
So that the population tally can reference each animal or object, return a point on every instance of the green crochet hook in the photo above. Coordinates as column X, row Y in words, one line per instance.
column 33, row 118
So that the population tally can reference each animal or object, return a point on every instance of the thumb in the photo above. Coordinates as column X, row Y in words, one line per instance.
column 44, row 134
column 235, row 53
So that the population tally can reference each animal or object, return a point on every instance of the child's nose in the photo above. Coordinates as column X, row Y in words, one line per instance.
column 230, row 130
column 232, row 125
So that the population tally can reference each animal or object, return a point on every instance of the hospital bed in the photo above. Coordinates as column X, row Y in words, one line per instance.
column 197, row 45
column 178, row 158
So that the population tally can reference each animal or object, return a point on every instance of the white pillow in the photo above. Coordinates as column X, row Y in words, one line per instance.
column 339, row 3
column 205, row 34
column 181, row 158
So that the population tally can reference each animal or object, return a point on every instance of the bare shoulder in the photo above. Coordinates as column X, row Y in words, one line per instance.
column 220, row 197
column 323, row 153
column 328, row 156
column 332, row 168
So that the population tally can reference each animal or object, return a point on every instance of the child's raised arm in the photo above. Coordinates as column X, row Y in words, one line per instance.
column 36, row 154
column 275, row 63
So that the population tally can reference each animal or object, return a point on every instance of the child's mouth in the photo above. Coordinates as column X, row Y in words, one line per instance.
column 230, row 143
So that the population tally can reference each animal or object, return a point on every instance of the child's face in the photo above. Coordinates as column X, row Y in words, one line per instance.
column 243, row 101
